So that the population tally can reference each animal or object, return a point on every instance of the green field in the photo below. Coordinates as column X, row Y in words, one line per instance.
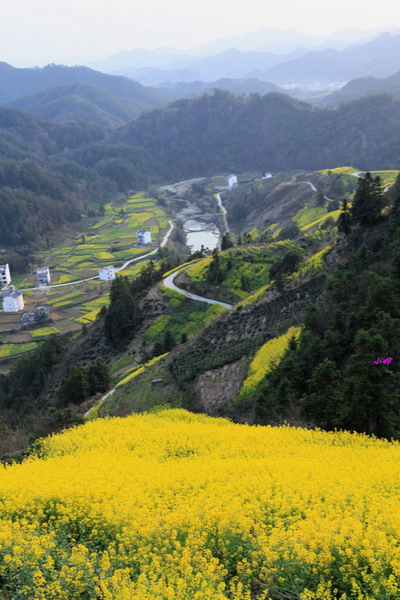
column 307, row 216
column 186, row 317
column 7, row 350
column 111, row 240
column 43, row 331
column 339, row 171
column 241, row 265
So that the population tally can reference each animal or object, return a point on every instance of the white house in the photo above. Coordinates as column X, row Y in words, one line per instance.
column 232, row 181
column 43, row 276
column 143, row 236
column 107, row 273
column 13, row 301
column 5, row 276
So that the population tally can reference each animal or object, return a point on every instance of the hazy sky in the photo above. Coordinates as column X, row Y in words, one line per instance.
column 37, row 32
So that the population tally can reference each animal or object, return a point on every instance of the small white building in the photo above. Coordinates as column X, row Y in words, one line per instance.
column 232, row 181
column 107, row 273
column 143, row 236
column 5, row 276
column 13, row 301
column 43, row 276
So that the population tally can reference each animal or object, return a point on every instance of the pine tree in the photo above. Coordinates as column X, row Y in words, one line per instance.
column 344, row 220
column 99, row 377
column 169, row 341
column 369, row 201
column 75, row 386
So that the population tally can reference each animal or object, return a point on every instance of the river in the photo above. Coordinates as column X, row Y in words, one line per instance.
column 198, row 231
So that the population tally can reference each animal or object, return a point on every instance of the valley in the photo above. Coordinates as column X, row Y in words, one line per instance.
column 200, row 341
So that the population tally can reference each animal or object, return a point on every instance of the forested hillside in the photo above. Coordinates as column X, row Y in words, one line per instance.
column 222, row 132
column 330, row 377
column 364, row 86
column 50, row 172
column 16, row 82
column 80, row 102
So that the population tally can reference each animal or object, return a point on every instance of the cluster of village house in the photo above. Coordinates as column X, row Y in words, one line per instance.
column 13, row 300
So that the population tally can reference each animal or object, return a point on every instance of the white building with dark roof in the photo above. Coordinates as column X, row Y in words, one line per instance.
column 107, row 273
column 5, row 276
column 232, row 181
column 143, row 236
column 43, row 276
column 13, row 300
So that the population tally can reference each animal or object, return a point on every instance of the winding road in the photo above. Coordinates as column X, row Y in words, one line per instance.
column 169, row 283
column 223, row 211
column 126, row 264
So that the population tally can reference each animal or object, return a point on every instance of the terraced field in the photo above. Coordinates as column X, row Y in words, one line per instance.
column 186, row 317
column 111, row 240
column 245, row 269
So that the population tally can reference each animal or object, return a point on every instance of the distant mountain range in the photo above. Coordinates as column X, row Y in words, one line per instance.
column 230, row 63
column 380, row 56
column 107, row 100
column 322, row 65
column 268, row 39
column 285, row 41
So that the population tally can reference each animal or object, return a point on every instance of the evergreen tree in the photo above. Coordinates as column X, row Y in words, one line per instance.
column 99, row 377
column 122, row 315
column 214, row 273
column 226, row 241
column 369, row 201
column 344, row 220
column 75, row 386
column 245, row 283
column 169, row 341
column 394, row 190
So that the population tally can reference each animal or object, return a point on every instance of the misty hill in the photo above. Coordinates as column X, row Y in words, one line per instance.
column 281, row 42
column 379, row 57
column 280, row 57
column 16, row 82
column 153, row 76
column 80, row 102
column 235, row 63
column 268, row 39
column 230, row 63
column 364, row 86
column 273, row 132
column 235, row 86
column 162, row 57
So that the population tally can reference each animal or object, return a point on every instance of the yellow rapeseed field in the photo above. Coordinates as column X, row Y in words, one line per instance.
column 265, row 359
column 176, row 506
